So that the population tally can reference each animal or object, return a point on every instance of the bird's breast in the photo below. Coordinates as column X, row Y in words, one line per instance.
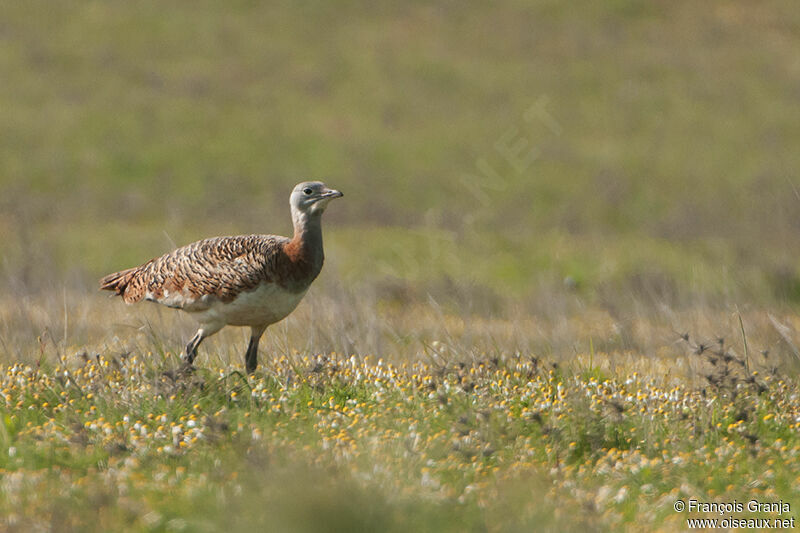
column 302, row 264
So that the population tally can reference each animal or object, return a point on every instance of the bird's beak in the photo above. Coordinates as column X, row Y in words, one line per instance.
column 332, row 193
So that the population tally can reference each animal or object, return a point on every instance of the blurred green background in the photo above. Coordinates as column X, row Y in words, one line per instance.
column 604, row 148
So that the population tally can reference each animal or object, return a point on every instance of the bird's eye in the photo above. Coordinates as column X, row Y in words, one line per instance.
column 307, row 191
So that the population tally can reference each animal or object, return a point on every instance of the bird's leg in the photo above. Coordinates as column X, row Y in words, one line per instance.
column 251, row 356
column 191, row 348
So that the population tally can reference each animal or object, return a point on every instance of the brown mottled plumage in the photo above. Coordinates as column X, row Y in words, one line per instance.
column 218, row 268
column 247, row 280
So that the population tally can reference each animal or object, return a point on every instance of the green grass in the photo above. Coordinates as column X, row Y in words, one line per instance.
column 672, row 125
column 337, row 444
column 441, row 420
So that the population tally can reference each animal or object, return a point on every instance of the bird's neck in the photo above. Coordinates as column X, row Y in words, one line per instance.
column 306, row 244
column 308, row 229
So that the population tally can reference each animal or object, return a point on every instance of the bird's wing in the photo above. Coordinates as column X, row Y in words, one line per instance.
column 196, row 275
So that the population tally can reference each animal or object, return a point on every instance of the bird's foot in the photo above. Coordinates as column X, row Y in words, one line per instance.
column 186, row 369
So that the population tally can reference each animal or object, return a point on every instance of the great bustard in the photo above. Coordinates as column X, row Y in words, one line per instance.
column 247, row 280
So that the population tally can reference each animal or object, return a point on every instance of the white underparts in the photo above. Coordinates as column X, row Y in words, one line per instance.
column 267, row 304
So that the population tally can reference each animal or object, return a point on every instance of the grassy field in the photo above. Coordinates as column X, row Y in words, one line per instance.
column 572, row 420
column 542, row 200
column 625, row 145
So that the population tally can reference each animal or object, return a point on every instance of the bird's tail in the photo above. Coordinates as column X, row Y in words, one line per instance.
column 118, row 281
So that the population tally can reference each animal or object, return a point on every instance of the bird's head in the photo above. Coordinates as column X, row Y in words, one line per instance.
column 312, row 197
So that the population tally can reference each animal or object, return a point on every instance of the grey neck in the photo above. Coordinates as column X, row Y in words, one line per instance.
column 308, row 231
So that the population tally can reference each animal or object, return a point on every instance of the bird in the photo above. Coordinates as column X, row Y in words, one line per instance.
column 244, row 280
